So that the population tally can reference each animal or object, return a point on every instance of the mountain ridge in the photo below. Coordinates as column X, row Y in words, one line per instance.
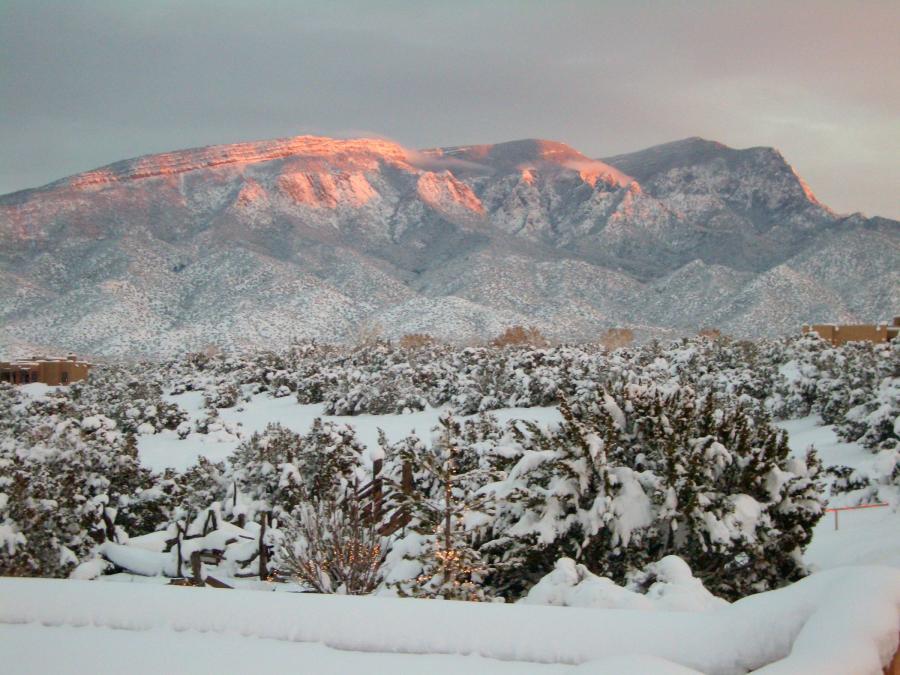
column 196, row 245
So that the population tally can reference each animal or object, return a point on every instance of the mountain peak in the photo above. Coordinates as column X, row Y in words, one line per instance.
column 517, row 152
column 530, row 153
column 756, row 164
column 646, row 163
column 695, row 143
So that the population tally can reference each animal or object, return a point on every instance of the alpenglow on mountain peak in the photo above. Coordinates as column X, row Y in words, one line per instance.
column 312, row 237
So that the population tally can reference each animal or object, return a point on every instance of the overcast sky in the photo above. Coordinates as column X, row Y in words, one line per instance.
column 85, row 84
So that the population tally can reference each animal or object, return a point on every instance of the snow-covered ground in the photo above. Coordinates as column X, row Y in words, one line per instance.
column 840, row 621
column 836, row 621
column 152, row 652
column 864, row 537
column 868, row 536
column 166, row 449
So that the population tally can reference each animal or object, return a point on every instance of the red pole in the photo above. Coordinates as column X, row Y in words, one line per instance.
column 852, row 508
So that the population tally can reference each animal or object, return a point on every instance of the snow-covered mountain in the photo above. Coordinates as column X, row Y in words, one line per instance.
column 258, row 243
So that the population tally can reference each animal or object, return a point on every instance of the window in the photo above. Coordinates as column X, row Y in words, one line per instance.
column 34, row 376
column 64, row 377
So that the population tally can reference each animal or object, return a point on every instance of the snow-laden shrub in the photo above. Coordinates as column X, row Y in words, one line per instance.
column 332, row 546
column 211, row 424
column 384, row 392
column 641, row 472
column 875, row 423
column 225, row 395
column 64, row 488
column 279, row 470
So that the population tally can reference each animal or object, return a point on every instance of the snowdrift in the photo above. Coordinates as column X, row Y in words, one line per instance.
column 673, row 587
column 840, row 621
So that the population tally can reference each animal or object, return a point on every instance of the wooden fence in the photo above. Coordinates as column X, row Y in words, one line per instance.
column 372, row 497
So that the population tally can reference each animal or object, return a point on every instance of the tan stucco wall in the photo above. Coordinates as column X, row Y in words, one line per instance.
column 52, row 372
column 838, row 335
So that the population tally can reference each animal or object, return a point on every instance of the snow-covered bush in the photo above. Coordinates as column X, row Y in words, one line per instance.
column 222, row 396
column 383, row 392
column 640, row 472
column 875, row 423
column 331, row 546
column 279, row 470
column 66, row 487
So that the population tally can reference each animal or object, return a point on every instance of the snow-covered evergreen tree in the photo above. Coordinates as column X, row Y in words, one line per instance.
column 66, row 487
column 642, row 472
column 445, row 513
column 279, row 469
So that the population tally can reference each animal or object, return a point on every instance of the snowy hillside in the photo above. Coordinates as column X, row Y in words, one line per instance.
column 308, row 237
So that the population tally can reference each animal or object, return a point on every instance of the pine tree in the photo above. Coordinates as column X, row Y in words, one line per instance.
column 280, row 469
column 66, row 488
column 555, row 502
column 450, row 566
column 640, row 472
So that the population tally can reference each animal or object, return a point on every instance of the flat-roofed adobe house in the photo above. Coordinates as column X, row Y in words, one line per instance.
column 838, row 335
column 47, row 369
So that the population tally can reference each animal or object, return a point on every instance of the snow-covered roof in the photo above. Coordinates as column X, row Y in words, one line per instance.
column 38, row 360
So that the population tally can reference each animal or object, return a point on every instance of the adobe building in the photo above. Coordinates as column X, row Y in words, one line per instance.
column 838, row 335
column 47, row 369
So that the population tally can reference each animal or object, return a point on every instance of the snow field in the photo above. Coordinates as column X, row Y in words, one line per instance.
column 839, row 621
column 191, row 653
column 864, row 537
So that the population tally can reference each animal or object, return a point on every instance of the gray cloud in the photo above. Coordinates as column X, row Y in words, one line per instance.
column 84, row 84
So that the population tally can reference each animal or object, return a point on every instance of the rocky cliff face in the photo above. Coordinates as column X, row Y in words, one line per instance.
column 257, row 243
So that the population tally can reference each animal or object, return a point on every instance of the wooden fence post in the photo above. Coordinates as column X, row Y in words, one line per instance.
column 210, row 526
column 195, row 568
column 407, row 479
column 178, row 544
column 377, row 491
column 109, row 527
column 263, row 555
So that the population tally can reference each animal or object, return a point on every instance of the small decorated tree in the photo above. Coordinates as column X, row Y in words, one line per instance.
column 330, row 546
column 445, row 515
